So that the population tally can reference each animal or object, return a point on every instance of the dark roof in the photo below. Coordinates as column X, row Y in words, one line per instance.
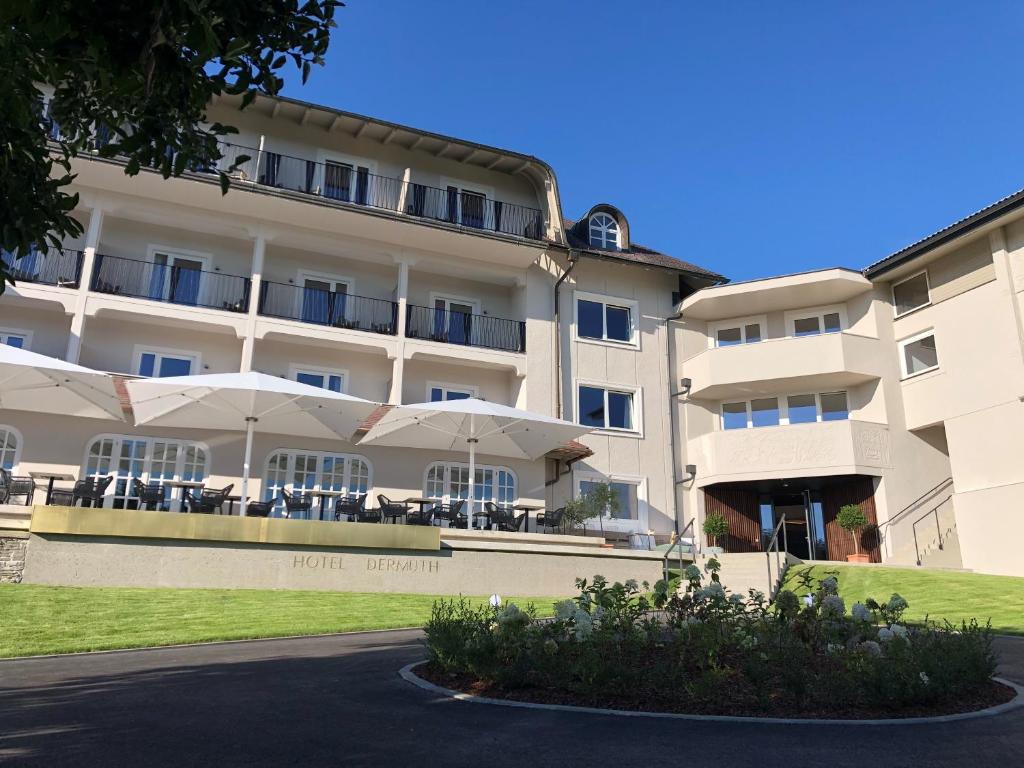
column 638, row 254
column 948, row 233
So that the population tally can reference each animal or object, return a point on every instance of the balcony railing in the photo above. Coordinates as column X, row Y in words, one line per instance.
column 332, row 308
column 355, row 184
column 49, row 267
column 463, row 328
column 171, row 283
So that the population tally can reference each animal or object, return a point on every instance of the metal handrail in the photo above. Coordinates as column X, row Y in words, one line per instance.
column 774, row 541
column 907, row 509
column 464, row 328
column 679, row 545
column 938, row 528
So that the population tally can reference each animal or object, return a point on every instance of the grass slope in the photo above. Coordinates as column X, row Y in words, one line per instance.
column 936, row 594
column 41, row 619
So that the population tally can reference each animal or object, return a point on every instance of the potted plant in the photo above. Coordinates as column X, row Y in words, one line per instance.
column 597, row 502
column 715, row 526
column 852, row 518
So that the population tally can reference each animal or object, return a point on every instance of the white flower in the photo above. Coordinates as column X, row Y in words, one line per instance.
column 584, row 625
column 631, row 585
column 833, row 648
column 860, row 612
column 511, row 614
column 871, row 647
column 896, row 603
column 924, row 678
column 714, row 589
column 833, row 605
column 899, row 630
column 564, row 610
column 830, row 585
column 736, row 599
column 809, row 600
column 885, row 635
column 692, row 572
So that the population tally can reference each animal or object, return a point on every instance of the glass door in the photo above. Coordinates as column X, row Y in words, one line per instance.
column 176, row 279
column 453, row 321
column 324, row 301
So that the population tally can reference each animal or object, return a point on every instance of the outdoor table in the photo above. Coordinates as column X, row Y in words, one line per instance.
column 50, row 477
column 190, row 484
column 527, row 508
column 325, row 494
column 231, row 500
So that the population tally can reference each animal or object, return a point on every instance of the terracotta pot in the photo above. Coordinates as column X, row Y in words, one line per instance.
column 861, row 558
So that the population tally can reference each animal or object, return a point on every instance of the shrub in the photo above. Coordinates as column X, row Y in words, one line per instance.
column 708, row 650
column 598, row 501
column 715, row 525
column 852, row 518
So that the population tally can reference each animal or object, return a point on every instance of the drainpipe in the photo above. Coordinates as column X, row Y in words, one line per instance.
column 672, row 420
column 574, row 256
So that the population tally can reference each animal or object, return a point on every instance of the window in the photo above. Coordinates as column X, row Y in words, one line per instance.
column 911, row 294
column 313, row 472
column 147, row 458
column 793, row 409
column 471, row 206
column 10, row 445
column 918, row 354
column 733, row 332
column 324, row 299
column 346, row 181
column 449, row 481
column 811, row 322
column 606, row 408
column 12, row 338
column 324, row 378
column 164, row 362
column 628, row 498
column 438, row 392
column 604, row 232
column 604, row 320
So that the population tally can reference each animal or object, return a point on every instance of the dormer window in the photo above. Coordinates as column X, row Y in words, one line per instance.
column 604, row 232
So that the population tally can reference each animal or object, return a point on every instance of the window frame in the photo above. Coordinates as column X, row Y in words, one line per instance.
column 928, row 286
column 464, row 187
column 782, row 401
column 606, row 301
column 289, row 473
column 26, row 335
column 446, row 480
column 741, row 323
column 618, row 232
column 445, row 386
column 635, row 391
column 901, row 346
column 19, row 444
column 641, row 523
column 296, row 368
column 791, row 316
column 324, row 156
column 140, row 349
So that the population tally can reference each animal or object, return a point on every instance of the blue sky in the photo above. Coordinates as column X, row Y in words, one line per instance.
column 753, row 138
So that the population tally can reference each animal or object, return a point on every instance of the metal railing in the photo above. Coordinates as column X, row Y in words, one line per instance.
column 170, row 283
column 332, row 308
column 49, row 267
column 355, row 184
column 780, row 559
column 678, row 545
column 938, row 528
column 464, row 328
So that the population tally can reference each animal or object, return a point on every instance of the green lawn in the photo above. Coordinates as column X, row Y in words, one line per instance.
column 39, row 619
column 936, row 594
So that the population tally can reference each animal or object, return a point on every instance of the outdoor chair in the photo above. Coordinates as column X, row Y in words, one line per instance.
column 350, row 507
column 11, row 485
column 363, row 515
column 553, row 519
column 208, row 500
column 503, row 517
column 89, row 491
column 420, row 517
column 392, row 510
column 297, row 505
column 151, row 495
column 259, row 508
column 450, row 512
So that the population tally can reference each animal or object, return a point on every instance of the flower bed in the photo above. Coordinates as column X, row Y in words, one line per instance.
column 701, row 650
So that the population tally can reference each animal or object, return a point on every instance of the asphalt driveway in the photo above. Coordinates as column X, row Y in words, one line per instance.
column 339, row 701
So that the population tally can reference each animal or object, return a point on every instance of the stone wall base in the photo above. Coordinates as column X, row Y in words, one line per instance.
column 13, row 549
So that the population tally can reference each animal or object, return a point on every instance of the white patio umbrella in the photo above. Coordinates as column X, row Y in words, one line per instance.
column 489, row 428
column 33, row 382
column 247, row 401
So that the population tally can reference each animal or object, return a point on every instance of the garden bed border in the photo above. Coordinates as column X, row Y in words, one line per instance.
column 1016, row 702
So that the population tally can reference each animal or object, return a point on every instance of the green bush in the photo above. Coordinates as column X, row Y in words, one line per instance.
column 852, row 518
column 706, row 650
column 715, row 526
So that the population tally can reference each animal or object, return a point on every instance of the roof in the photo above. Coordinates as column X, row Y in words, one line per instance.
column 639, row 254
column 946, row 234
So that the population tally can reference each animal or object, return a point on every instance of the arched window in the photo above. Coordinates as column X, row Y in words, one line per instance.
column 10, row 447
column 449, row 481
column 314, row 472
column 151, row 459
column 604, row 232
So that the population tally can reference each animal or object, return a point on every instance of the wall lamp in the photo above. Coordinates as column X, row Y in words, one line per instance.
column 684, row 388
column 691, row 474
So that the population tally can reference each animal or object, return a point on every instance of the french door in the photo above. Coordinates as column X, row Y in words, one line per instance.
column 177, row 279
column 149, row 460
column 453, row 320
column 324, row 300
column 347, row 182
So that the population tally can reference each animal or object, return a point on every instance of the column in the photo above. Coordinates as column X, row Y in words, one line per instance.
column 402, row 299
column 92, row 241
column 259, row 249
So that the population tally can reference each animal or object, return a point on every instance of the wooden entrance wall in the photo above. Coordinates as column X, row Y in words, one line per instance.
column 857, row 490
column 739, row 506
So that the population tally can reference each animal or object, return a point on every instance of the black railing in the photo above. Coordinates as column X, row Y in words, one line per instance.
column 464, row 328
column 171, row 283
column 323, row 307
column 50, row 267
column 355, row 184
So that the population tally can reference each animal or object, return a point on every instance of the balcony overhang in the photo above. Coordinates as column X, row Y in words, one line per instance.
column 775, row 294
column 184, row 317
column 472, row 357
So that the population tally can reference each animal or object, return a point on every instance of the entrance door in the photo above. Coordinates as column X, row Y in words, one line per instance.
column 797, row 536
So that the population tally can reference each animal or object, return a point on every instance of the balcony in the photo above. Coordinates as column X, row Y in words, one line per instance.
column 57, row 267
column 794, row 450
column 447, row 327
column 830, row 360
column 170, row 283
column 328, row 308
column 343, row 183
